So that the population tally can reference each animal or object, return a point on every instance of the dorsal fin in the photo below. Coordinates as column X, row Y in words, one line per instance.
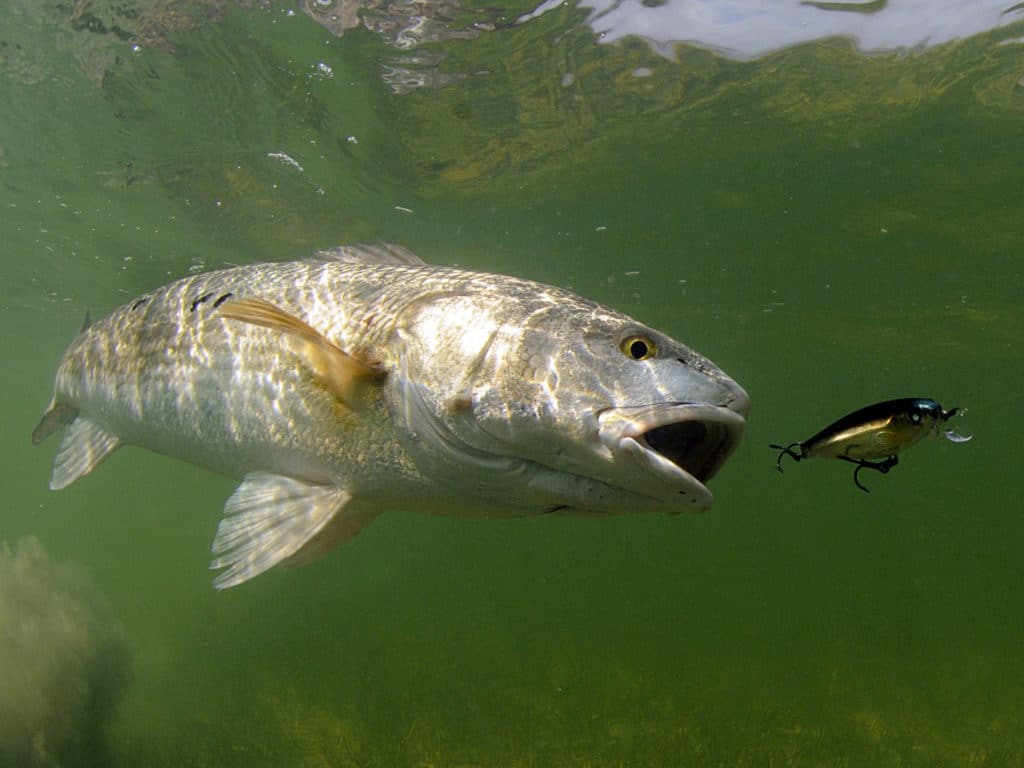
column 381, row 253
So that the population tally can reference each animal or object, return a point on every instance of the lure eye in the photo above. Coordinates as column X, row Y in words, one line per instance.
column 922, row 409
column 638, row 347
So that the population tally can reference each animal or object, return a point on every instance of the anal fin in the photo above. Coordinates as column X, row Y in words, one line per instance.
column 271, row 519
column 85, row 445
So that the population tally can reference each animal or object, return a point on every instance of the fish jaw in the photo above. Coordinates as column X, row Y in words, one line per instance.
column 680, row 446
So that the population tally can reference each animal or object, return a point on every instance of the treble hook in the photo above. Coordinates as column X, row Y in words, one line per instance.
column 879, row 466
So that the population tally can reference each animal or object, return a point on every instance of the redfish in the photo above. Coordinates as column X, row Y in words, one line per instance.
column 363, row 380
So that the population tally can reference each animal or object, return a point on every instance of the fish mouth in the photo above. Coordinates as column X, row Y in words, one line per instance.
column 698, row 447
column 681, row 446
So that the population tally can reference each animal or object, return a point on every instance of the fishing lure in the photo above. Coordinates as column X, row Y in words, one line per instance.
column 872, row 437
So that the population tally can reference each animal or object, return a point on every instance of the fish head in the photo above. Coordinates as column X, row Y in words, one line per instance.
column 629, row 418
column 643, row 412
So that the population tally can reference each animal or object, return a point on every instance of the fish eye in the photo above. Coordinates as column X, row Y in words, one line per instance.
column 638, row 347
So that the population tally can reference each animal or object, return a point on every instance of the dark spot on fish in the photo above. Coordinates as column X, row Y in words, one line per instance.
column 461, row 403
column 140, row 302
column 200, row 300
column 222, row 299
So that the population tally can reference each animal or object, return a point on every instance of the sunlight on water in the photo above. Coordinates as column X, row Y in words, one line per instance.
column 822, row 197
column 751, row 29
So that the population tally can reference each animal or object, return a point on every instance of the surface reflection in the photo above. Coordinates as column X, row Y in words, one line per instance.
column 750, row 29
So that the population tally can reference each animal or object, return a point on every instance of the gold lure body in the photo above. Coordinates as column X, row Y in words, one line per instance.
column 873, row 436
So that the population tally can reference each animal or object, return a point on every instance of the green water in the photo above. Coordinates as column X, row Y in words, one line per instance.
column 832, row 227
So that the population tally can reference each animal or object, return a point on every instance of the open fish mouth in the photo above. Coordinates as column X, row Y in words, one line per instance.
column 680, row 445
column 698, row 447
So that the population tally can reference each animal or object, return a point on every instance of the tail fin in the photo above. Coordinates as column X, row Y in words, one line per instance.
column 86, row 444
column 57, row 415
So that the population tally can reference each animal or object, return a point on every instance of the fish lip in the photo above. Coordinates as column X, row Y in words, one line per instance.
column 682, row 444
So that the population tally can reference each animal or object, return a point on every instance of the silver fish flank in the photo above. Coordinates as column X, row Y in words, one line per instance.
column 363, row 380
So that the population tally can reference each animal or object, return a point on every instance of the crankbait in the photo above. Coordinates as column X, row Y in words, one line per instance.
column 872, row 437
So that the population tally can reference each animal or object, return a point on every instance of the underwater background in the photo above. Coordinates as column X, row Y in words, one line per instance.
column 825, row 198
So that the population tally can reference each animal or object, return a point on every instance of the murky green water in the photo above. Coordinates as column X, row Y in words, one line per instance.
column 834, row 221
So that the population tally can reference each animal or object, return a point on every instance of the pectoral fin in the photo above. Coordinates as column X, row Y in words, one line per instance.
column 272, row 519
column 340, row 373
column 85, row 445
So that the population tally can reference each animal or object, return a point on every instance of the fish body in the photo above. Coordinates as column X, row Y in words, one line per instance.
column 363, row 380
column 873, row 437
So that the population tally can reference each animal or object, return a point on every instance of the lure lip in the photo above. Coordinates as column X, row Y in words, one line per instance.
column 682, row 444
column 950, row 434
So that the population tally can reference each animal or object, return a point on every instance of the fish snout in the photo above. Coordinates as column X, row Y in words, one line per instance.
column 738, row 400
